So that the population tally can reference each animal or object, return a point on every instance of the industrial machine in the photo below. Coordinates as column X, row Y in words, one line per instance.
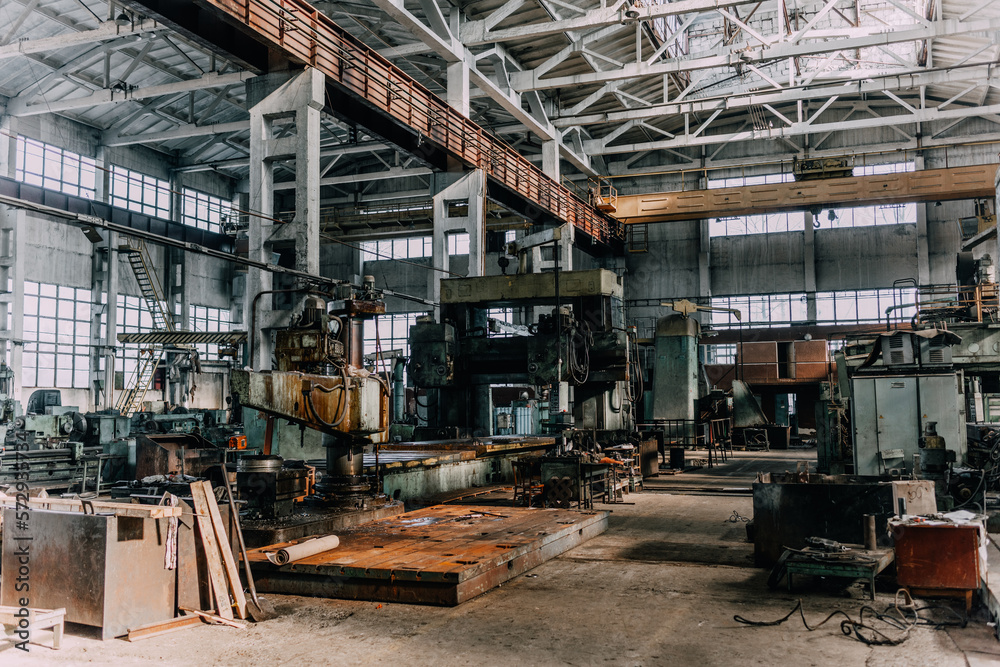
column 320, row 383
column 63, row 447
column 574, row 344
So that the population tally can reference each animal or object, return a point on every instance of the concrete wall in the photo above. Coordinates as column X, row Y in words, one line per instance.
column 56, row 253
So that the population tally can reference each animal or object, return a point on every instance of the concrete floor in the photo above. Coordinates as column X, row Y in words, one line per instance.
column 660, row 587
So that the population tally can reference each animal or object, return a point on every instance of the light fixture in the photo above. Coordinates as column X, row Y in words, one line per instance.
column 937, row 203
column 831, row 215
column 631, row 14
column 123, row 20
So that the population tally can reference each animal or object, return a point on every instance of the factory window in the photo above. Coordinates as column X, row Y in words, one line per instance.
column 867, row 216
column 760, row 310
column 205, row 211
column 54, row 168
column 757, row 224
column 140, row 193
column 458, row 243
column 133, row 317
column 413, row 247
column 57, row 336
column 720, row 354
column 203, row 318
column 393, row 333
column 865, row 306
column 754, row 224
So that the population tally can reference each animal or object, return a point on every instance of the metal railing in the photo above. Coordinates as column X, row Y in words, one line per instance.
column 306, row 35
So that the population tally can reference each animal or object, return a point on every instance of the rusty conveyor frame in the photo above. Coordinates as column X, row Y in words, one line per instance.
column 306, row 36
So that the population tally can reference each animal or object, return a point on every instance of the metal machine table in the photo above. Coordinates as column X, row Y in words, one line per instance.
column 862, row 564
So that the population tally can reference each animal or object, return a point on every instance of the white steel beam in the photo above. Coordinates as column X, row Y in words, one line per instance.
column 980, row 74
column 104, row 33
column 797, row 129
column 181, row 132
column 529, row 80
column 395, row 172
column 510, row 101
column 473, row 33
column 22, row 107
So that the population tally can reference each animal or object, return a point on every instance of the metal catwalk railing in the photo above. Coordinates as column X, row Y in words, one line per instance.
column 306, row 35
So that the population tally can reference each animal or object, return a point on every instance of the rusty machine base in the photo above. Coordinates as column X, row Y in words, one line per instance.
column 441, row 555
column 307, row 521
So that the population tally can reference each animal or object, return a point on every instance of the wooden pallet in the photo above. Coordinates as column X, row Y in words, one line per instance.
column 442, row 555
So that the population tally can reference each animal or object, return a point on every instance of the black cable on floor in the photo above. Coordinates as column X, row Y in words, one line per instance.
column 864, row 631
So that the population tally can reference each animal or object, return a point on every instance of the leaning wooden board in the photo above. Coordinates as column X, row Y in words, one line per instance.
column 442, row 555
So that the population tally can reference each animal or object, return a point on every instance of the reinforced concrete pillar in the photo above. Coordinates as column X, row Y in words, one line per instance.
column 458, row 87
column 12, row 246
column 550, row 159
column 471, row 188
column 284, row 126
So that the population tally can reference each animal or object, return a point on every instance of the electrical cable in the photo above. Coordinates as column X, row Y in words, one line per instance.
column 865, row 632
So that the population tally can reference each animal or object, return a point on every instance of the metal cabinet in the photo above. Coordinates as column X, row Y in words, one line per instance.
column 889, row 414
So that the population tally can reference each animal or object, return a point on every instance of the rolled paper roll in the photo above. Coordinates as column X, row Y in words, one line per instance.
column 303, row 550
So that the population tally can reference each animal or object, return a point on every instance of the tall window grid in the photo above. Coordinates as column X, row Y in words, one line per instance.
column 458, row 243
column 865, row 306
column 204, row 211
column 57, row 336
column 760, row 310
column 412, row 247
column 140, row 192
column 720, row 353
column 133, row 317
column 393, row 334
column 203, row 318
column 833, row 218
column 39, row 163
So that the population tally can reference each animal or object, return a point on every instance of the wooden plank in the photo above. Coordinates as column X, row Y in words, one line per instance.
column 210, row 548
column 76, row 504
column 228, row 561
column 163, row 627
column 215, row 619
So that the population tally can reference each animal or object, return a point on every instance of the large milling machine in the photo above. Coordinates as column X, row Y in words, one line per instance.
column 319, row 383
column 576, row 346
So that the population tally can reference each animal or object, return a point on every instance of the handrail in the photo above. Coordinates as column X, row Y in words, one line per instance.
column 306, row 35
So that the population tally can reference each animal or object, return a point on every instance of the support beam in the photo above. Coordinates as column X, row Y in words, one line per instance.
column 395, row 172
column 105, row 32
column 181, row 132
column 530, row 80
column 914, row 186
column 22, row 107
column 798, row 129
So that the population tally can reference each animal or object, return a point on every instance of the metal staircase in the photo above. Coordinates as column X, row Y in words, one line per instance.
column 131, row 397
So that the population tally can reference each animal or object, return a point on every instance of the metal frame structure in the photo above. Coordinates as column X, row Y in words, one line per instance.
column 612, row 87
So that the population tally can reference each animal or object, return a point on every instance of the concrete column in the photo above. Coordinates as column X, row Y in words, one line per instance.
column 809, row 265
column 297, row 101
column 8, row 146
column 550, row 159
column 996, row 209
column 458, row 87
column 472, row 188
column 923, row 253
column 12, row 247
column 704, row 268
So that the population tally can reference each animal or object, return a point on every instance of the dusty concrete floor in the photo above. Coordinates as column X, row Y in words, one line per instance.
column 660, row 587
